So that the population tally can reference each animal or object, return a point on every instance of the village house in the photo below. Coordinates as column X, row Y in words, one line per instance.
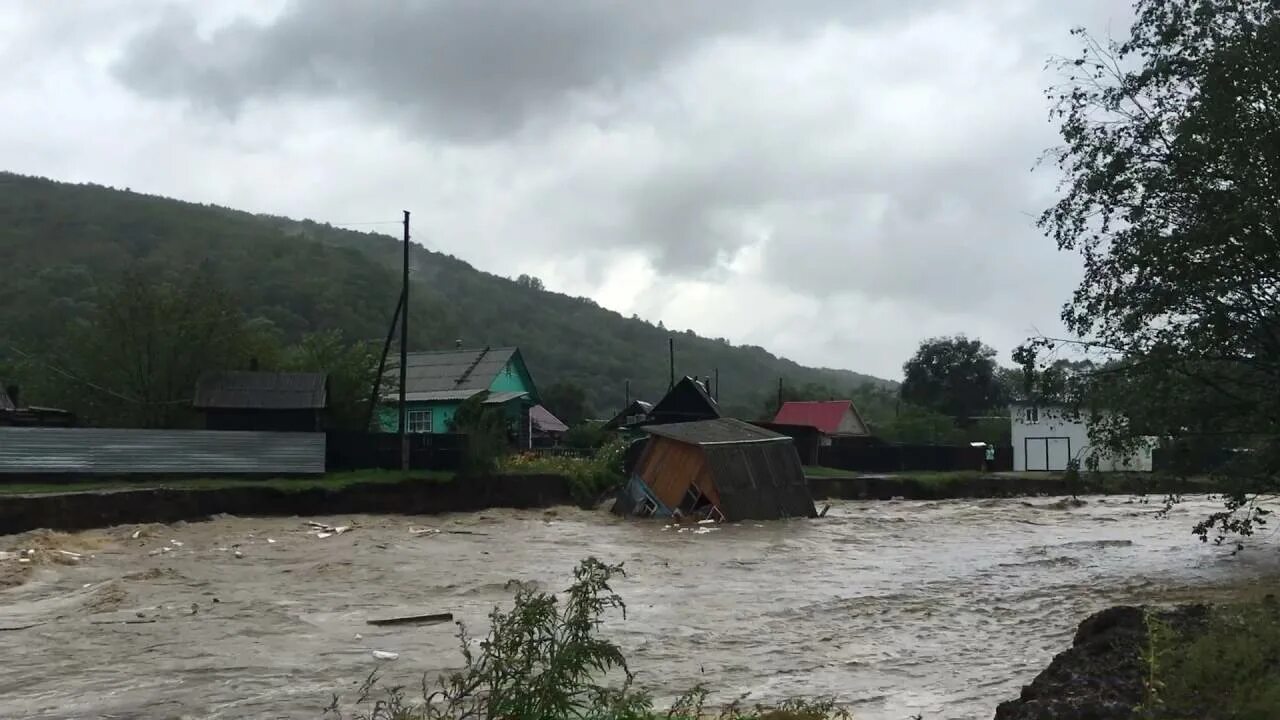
column 266, row 401
column 719, row 469
column 437, row 382
column 833, row 418
column 635, row 413
column 1049, row 436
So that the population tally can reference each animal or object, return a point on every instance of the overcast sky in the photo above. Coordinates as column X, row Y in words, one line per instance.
column 832, row 179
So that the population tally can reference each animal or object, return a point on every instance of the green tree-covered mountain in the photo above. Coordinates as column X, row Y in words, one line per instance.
column 63, row 245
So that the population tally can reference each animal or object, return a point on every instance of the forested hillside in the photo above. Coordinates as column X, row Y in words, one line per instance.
column 62, row 246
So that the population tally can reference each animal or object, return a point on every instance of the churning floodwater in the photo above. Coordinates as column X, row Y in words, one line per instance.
column 897, row 608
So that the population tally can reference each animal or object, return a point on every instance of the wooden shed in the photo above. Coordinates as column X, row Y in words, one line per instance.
column 275, row 401
column 723, row 469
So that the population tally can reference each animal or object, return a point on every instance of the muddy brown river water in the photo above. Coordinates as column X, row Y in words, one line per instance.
column 897, row 608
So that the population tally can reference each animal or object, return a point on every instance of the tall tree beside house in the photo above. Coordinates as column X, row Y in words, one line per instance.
column 955, row 376
column 351, row 369
column 1171, row 165
column 135, row 362
column 487, row 434
column 567, row 401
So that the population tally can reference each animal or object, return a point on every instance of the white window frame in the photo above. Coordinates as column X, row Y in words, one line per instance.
column 420, row 421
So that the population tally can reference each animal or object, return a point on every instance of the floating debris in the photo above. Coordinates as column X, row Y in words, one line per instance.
column 384, row 655
column 430, row 619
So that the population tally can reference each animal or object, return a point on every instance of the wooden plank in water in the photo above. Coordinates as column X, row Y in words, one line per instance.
column 414, row 619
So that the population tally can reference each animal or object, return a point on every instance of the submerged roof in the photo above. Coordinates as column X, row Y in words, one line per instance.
column 825, row 415
column 261, row 391
column 450, row 371
column 543, row 420
column 721, row 431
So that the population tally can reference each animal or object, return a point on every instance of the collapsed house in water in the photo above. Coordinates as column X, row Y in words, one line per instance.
column 721, row 469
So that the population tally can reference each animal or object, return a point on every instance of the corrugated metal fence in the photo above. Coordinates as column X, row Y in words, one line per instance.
column 99, row 451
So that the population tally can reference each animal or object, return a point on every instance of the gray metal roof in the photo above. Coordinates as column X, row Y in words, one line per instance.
column 722, row 431
column 449, row 371
column 261, row 391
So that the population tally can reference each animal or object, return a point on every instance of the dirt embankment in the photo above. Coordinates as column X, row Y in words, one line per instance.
column 1193, row 661
column 887, row 487
column 1102, row 676
column 84, row 510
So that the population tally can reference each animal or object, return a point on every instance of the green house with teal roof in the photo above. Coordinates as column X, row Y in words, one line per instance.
column 437, row 382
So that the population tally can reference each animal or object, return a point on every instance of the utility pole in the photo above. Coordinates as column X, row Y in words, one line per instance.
column 671, row 354
column 717, row 396
column 404, row 349
column 779, row 392
column 382, row 363
column 627, row 393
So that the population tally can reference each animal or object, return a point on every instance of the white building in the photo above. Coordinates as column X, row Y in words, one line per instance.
column 1047, row 437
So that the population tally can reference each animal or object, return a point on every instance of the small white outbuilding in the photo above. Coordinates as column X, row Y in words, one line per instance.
column 1047, row 437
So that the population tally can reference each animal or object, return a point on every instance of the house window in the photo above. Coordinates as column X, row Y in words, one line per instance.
column 419, row 421
column 1032, row 414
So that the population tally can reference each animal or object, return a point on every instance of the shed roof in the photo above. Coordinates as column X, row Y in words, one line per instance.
column 451, row 371
column 498, row 398
column 721, row 431
column 824, row 415
column 261, row 391
column 546, row 422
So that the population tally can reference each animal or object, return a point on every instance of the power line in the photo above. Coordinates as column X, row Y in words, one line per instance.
column 108, row 391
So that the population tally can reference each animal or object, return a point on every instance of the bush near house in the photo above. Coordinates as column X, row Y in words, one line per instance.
column 589, row 477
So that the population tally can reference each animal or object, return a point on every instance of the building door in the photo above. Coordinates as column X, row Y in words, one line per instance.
column 1037, row 453
column 1058, row 453
column 1048, row 453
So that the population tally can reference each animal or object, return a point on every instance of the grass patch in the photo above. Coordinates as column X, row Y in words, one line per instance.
column 332, row 481
column 1216, row 663
column 825, row 472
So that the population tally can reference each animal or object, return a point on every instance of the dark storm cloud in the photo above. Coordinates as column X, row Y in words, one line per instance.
column 458, row 68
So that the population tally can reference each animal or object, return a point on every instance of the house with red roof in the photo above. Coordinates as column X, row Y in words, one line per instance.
column 833, row 418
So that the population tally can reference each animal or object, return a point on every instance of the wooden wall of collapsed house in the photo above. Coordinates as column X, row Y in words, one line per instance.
column 669, row 468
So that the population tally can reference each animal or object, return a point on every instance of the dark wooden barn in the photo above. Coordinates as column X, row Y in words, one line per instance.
column 807, row 439
column 686, row 401
column 723, row 469
column 276, row 401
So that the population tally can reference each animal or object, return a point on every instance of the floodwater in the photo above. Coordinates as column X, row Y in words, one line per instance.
column 897, row 608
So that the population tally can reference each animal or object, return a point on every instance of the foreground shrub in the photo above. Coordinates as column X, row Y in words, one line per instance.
column 544, row 659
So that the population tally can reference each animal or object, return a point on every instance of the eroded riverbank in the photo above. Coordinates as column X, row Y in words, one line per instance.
column 941, row 608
